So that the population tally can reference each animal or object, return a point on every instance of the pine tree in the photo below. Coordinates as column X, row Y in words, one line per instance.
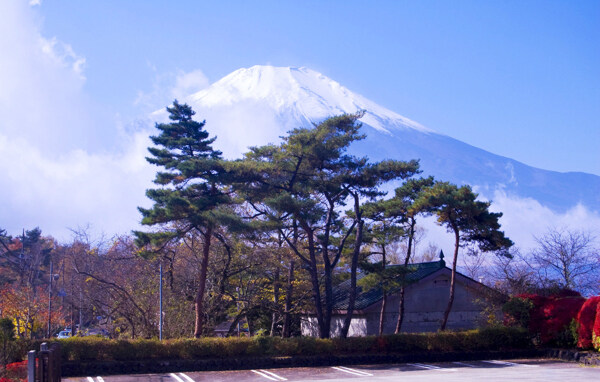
column 468, row 219
column 383, row 231
column 404, row 208
column 192, row 195
column 301, row 181
column 362, row 182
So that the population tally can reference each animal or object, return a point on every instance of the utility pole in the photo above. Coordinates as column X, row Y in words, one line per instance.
column 80, row 307
column 72, row 310
column 160, row 318
column 22, row 257
column 237, row 305
column 50, row 299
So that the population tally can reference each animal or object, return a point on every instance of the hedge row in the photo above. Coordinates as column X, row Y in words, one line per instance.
column 99, row 349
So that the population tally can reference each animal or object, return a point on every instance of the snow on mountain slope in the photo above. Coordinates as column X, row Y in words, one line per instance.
column 299, row 92
column 257, row 105
column 449, row 159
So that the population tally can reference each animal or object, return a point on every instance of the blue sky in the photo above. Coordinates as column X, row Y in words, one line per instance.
column 79, row 78
column 518, row 78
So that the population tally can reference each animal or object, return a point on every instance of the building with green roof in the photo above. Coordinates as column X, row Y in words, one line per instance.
column 427, row 289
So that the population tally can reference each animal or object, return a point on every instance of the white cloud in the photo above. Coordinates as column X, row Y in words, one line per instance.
column 65, row 162
column 167, row 86
column 42, row 97
column 63, row 54
column 524, row 218
column 74, row 189
column 189, row 83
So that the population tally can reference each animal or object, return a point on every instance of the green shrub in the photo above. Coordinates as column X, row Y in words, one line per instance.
column 286, row 347
column 352, row 345
column 405, row 343
column 262, row 345
column 15, row 350
column 502, row 338
column 518, row 311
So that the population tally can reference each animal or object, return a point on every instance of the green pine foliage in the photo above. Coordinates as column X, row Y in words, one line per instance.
column 192, row 176
column 307, row 180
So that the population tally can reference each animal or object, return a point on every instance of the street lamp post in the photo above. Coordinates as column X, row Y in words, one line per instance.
column 52, row 277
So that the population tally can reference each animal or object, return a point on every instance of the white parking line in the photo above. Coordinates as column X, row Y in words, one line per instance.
column 100, row 379
column 509, row 363
column 430, row 367
column 187, row 377
column 176, row 377
column 274, row 375
column 352, row 371
column 90, row 379
column 269, row 375
column 464, row 364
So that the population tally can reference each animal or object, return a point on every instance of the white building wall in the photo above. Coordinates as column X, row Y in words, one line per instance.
column 358, row 326
column 425, row 303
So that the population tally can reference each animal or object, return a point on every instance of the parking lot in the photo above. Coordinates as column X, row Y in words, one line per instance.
column 486, row 371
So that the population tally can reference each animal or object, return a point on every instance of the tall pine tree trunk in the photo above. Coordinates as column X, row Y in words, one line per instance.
column 353, row 267
column 382, row 313
column 314, row 279
column 287, row 321
column 401, row 305
column 327, row 274
column 288, row 302
column 275, row 315
column 384, row 298
column 452, row 280
column 326, row 328
column 250, row 326
column 202, row 283
column 400, row 311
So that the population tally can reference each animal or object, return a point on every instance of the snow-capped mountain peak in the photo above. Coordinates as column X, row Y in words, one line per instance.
column 300, row 93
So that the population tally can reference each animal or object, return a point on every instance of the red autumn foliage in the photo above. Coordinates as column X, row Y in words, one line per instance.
column 17, row 367
column 16, row 371
column 596, row 329
column 15, row 245
column 552, row 315
column 585, row 320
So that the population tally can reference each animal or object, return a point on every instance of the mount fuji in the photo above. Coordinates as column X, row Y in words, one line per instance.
column 257, row 105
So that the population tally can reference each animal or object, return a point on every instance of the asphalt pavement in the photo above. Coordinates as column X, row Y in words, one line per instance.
column 484, row 371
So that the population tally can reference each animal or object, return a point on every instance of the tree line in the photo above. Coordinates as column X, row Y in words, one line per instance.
column 307, row 191
column 253, row 242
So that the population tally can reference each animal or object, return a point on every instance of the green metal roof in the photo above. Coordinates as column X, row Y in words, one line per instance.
column 369, row 297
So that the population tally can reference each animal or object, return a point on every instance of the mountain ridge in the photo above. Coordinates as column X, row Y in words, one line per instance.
column 257, row 105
